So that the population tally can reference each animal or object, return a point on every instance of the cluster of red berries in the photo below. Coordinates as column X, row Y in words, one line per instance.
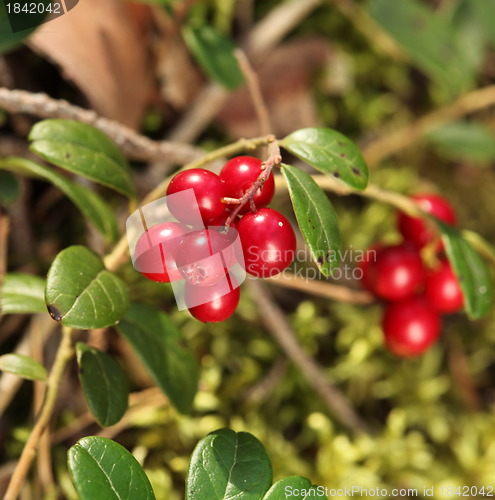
column 203, row 256
column 416, row 296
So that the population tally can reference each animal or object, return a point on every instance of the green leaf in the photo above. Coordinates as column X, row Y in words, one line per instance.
column 21, row 365
column 83, row 150
column 103, row 469
column 330, row 152
column 104, row 384
column 464, row 141
column 81, row 293
column 485, row 17
column 471, row 271
column 298, row 487
column 10, row 38
column 429, row 40
column 215, row 53
column 10, row 188
column 316, row 218
column 228, row 465
column 160, row 346
column 88, row 202
column 22, row 294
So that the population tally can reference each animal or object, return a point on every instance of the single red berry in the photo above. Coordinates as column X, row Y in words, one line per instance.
column 442, row 289
column 239, row 174
column 414, row 229
column 268, row 242
column 410, row 327
column 208, row 189
column 396, row 274
column 203, row 256
column 212, row 304
column 369, row 260
column 155, row 252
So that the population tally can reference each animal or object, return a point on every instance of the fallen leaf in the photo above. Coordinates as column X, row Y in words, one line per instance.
column 101, row 46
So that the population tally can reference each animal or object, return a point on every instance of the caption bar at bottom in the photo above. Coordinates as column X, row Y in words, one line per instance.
column 359, row 491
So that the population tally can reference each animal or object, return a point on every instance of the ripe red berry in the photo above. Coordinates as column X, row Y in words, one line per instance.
column 213, row 304
column 203, row 256
column 415, row 229
column 442, row 289
column 208, row 189
column 239, row 174
column 268, row 242
column 396, row 274
column 410, row 327
column 155, row 252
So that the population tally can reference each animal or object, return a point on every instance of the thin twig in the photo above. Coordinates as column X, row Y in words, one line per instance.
column 254, row 88
column 62, row 358
column 281, row 330
column 392, row 142
column 322, row 289
column 132, row 144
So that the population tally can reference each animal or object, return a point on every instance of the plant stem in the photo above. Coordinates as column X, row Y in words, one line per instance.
column 64, row 355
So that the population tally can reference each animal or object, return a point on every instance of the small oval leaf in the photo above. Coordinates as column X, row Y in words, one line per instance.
column 21, row 365
column 316, row 218
column 104, row 384
column 22, row 294
column 226, row 465
column 83, row 150
column 103, row 469
column 10, row 188
column 89, row 202
column 471, row 271
column 161, row 347
column 215, row 53
column 331, row 153
column 294, row 487
column 81, row 293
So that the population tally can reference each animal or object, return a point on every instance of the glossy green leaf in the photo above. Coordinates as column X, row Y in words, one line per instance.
column 294, row 487
column 22, row 294
column 330, row 152
column 229, row 465
column 10, row 188
column 316, row 218
column 104, row 384
column 81, row 293
column 215, row 53
column 88, row 202
column 430, row 41
column 102, row 469
column 83, row 150
column 21, row 365
column 464, row 141
column 471, row 271
column 160, row 346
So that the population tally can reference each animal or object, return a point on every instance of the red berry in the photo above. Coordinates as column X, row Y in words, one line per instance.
column 239, row 174
column 208, row 189
column 410, row 327
column 203, row 256
column 213, row 304
column 415, row 229
column 396, row 274
column 268, row 242
column 156, row 249
column 442, row 289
